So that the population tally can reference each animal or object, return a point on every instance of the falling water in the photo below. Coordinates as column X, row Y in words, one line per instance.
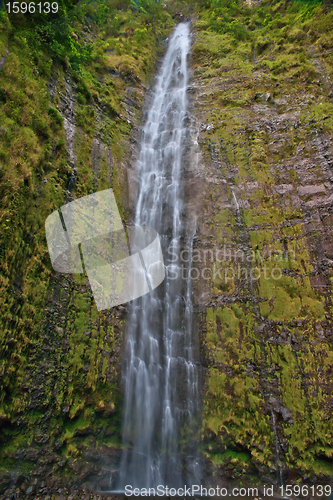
column 160, row 373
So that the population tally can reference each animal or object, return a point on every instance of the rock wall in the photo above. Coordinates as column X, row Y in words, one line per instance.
column 65, row 133
column 264, row 251
column 259, row 185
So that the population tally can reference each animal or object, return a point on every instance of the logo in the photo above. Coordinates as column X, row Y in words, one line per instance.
column 87, row 235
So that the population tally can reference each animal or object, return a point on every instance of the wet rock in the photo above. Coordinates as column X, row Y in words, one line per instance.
column 4, row 481
column 59, row 330
column 2, row 62
column 31, row 454
column 277, row 406
column 283, row 188
column 310, row 190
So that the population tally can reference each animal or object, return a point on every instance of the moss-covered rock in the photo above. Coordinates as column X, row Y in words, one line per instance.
column 66, row 127
column 265, row 295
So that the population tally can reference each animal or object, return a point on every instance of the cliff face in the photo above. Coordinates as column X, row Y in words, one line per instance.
column 65, row 132
column 259, row 184
column 263, row 100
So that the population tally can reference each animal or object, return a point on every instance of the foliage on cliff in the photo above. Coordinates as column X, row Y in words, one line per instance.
column 262, row 75
column 71, row 89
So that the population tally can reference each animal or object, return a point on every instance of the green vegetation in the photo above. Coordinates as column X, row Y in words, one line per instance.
column 60, row 362
column 264, row 75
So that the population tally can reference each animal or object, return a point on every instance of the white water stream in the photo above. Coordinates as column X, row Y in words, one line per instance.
column 160, row 373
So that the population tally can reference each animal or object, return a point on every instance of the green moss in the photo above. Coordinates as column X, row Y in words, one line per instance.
column 249, row 84
column 60, row 356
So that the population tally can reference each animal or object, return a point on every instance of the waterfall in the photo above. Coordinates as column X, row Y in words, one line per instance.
column 160, row 373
